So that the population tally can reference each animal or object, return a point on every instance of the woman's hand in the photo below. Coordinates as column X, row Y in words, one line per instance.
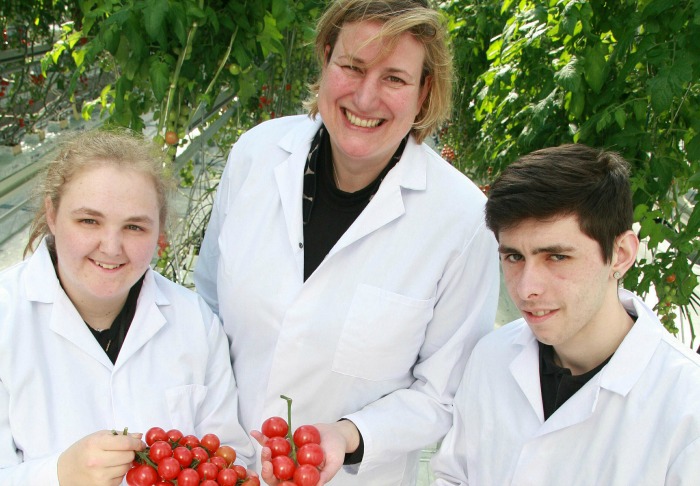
column 337, row 439
column 99, row 459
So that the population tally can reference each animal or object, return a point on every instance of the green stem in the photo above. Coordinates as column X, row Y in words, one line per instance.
column 176, row 76
column 290, row 436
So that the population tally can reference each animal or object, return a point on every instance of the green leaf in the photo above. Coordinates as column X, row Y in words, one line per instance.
column 659, row 90
column 640, row 108
column 159, row 73
column 594, row 66
column 270, row 37
column 569, row 77
column 694, row 220
column 154, row 17
column 620, row 118
column 692, row 148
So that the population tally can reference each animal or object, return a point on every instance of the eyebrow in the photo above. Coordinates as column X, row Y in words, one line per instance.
column 361, row 62
column 92, row 212
column 545, row 249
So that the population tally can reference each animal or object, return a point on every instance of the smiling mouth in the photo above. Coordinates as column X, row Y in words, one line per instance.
column 107, row 266
column 539, row 313
column 362, row 122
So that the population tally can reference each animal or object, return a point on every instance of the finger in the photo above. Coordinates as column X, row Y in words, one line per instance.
column 267, row 475
column 262, row 440
column 266, row 454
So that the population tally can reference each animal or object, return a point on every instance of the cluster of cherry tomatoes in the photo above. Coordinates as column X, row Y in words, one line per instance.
column 173, row 458
column 295, row 457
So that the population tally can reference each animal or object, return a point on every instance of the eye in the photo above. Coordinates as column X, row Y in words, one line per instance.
column 512, row 257
column 133, row 227
column 396, row 80
column 558, row 258
column 87, row 221
column 352, row 68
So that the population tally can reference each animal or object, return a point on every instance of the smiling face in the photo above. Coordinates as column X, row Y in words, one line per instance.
column 556, row 276
column 369, row 97
column 106, row 229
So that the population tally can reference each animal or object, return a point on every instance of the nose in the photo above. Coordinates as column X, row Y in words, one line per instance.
column 530, row 282
column 111, row 242
column 366, row 93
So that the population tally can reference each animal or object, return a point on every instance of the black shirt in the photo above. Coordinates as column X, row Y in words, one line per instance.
column 557, row 383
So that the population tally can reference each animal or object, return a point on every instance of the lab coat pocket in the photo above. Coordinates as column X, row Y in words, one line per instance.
column 382, row 334
column 183, row 404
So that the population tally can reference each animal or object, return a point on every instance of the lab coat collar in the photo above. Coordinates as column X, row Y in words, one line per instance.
column 619, row 376
column 636, row 350
column 148, row 319
column 42, row 285
column 386, row 205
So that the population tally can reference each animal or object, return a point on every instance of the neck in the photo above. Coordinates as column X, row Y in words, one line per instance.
column 98, row 315
column 596, row 343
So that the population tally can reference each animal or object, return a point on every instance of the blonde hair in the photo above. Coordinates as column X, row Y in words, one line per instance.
column 119, row 147
column 398, row 17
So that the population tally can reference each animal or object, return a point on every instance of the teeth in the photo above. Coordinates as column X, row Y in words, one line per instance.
column 540, row 313
column 360, row 122
column 107, row 266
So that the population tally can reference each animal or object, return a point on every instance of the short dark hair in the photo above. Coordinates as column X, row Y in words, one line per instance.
column 571, row 179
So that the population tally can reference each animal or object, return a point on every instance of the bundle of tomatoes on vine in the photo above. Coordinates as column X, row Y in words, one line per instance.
column 172, row 458
column 297, row 456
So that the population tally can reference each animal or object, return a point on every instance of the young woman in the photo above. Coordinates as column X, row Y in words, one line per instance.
column 349, row 263
column 93, row 339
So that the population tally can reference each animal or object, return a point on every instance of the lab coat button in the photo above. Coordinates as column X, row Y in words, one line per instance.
column 301, row 245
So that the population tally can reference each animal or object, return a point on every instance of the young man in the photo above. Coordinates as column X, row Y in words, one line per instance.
column 587, row 388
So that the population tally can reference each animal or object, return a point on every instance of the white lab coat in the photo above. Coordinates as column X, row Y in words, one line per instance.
column 636, row 422
column 381, row 331
column 57, row 385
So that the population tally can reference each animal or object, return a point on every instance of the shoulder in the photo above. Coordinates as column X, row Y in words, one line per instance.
column 183, row 301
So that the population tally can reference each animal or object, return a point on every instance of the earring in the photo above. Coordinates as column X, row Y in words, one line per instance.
column 617, row 275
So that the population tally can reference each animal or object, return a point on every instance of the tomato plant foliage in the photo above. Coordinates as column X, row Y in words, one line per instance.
column 620, row 75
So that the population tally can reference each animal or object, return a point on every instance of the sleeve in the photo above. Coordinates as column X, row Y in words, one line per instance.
column 409, row 419
column 449, row 464
column 685, row 469
column 220, row 408
column 13, row 471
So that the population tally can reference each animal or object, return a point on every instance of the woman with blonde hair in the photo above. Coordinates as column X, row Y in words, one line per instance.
column 349, row 264
column 93, row 339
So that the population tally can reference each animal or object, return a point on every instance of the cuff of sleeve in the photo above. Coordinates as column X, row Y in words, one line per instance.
column 353, row 458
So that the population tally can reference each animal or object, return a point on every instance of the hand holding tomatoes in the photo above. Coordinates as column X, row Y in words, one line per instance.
column 293, row 459
column 95, row 458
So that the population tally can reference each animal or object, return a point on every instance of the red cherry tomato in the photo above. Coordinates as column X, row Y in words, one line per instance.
column 210, row 442
column 283, row 467
column 252, row 481
column 188, row 477
column 227, row 452
column 274, row 427
column 174, row 435
column 154, row 434
column 163, row 482
column 279, row 446
column 142, row 475
column 306, row 434
column 200, row 454
column 168, row 468
column 219, row 461
column 160, row 450
column 171, row 137
column 306, row 475
column 240, row 471
column 310, row 454
column 183, row 455
column 207, row 470
column 189, row 441
column 287, row 483
column 227, row 477
column 209, row 482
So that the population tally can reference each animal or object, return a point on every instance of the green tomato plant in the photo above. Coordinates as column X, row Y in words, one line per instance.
column 620, row 75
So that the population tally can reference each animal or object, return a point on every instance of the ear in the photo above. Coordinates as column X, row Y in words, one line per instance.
column 326, row 55
column 624, row 252
column 424, row 90
column 50, row 214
